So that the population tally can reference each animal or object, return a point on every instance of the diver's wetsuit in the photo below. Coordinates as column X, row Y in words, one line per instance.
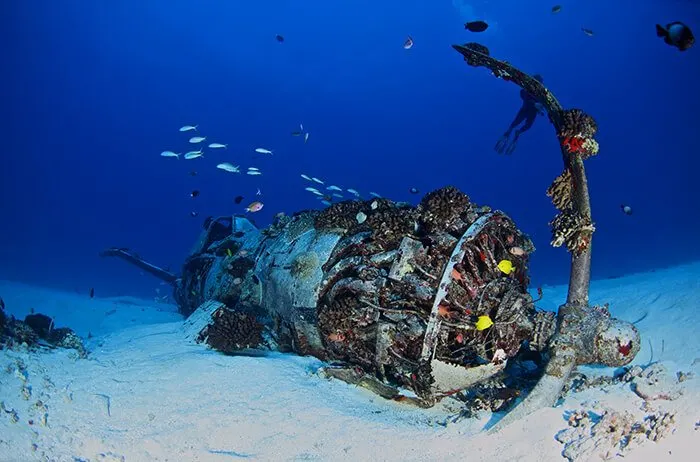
column 527, row 113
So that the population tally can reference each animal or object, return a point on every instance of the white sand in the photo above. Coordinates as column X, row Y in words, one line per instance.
column 169, row 400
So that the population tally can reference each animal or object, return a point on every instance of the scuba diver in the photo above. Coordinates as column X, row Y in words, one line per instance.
column 527, row 113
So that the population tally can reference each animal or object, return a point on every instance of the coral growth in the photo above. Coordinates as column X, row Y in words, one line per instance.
column 443, row 209
column 304, row 265
column 577, row 123
column 577, row 132
column 390, row 224
column 561, row 191
column 593, row 437
column 37, row 328
column 231, row 331
column 341, row 215
column 479, row 48
column 573, row 229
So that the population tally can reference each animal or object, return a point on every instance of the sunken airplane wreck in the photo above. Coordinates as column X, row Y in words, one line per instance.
column 393, row 296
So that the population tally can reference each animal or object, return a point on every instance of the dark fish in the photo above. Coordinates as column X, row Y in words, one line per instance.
column 556, row 9
column 92, row 292
column 194, row 193
column 676, row 34
column 476, row 26
column 588, row 32
column 193, row 173
column 413, row 190
column 626, row 209
column 296, row 133
column 193, row 214
column 2, row 304
column 279, row 38
column 238, row 199
column 238, row 234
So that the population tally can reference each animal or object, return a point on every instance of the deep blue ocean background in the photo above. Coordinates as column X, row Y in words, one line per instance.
column 93, row 91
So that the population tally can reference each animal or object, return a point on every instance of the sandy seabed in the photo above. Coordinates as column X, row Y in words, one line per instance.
column 145, row 394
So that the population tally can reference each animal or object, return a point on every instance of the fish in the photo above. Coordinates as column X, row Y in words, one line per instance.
column 253, row 168
column 316, row 180
column 253, row 172
column 279, row 38
column 193, row 173
column 413, row 191
column 194, row 193
column 325, row 202
column 517, row 251
column 408, row 43
column 263, row 151
column 92, row 292
column 194, row 154
column 374, row 205
column 339, row 196
column 626, row 209
column 193, row 214
column 506, row 266
column 314, row 191
column 676, row 34
column 374, row 194
column 297, row 133
column 556, row 9
column 306, row 177
column 483, row 323
column 2, row 304
column 228, row 167
column 476, row 26
column 258, row 192
column 170, row 154
column 238, row 199
column 336, row 337
column 254, row 207
column 306, row 137
column 588, row 32
column 197, row 139
column 188, row 128
column 352, row 191
column 229, row 253
column 334, row 188
column 218, row 146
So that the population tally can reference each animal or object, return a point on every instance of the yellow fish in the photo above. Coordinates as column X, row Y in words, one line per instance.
column 229, row 253
column 506, row 266
column 483, row 323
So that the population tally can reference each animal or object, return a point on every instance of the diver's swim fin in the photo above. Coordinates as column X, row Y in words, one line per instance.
column 511, row 147
column 502, row 144
column 134, row 259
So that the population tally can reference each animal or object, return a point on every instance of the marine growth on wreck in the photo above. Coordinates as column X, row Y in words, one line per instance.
column 392, row 291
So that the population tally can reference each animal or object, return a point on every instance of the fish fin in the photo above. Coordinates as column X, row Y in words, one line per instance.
column 661, row 31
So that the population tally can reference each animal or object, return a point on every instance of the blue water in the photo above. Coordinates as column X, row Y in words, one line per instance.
column 92, row 92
